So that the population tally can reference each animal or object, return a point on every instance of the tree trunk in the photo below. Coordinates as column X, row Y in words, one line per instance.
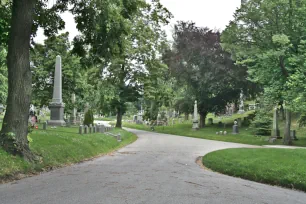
column 186, row 116
column 202, row 120
column 282, row 110
column 15, row 124
column 119, row 118
column 287, row 137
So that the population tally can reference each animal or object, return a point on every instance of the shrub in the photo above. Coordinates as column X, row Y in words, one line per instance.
column 89, row 118
column 261, row 125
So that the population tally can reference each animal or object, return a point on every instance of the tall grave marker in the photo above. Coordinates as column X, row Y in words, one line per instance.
column 57, row 106
column 195, row 125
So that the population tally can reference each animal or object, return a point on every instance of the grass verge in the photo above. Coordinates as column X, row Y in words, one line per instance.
column 61, row 147
column 245, row 136
column 262, row 165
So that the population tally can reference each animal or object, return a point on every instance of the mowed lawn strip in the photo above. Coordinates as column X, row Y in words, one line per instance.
column 60, row 147
column 281, row 167
column 245, row 135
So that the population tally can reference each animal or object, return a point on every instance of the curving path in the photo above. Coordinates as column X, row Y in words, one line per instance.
column 157, row 168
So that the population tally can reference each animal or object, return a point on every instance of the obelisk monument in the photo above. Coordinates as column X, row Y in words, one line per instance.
column 195, row 123
column 57, row 106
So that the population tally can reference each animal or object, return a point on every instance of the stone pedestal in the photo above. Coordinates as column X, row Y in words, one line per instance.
column 57, row 114
column 235, row 129
column 195, row 125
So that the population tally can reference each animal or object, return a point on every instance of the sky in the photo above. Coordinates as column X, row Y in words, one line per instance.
column 214, row 14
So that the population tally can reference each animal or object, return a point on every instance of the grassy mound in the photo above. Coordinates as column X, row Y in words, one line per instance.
column 262, row 165
column 60, row 147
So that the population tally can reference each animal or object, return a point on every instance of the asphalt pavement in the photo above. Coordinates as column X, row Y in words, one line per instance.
column 157, row 168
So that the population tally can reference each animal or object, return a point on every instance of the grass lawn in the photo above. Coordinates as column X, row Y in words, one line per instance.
column 262, row 165
column 209, row 132
column 105, row 119
column 60, row 147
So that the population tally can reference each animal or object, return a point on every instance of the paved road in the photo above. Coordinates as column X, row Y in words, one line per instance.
column 157, row 168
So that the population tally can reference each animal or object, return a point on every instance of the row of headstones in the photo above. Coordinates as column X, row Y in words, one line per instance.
column 94, row 129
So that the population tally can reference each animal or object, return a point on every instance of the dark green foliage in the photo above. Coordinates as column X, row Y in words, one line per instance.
column 261, row 125
column 89, row 118
column 302, row 120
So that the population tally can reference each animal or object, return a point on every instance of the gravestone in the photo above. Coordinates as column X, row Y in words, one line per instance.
column 275, row 130
column 98, row 128
column 119, row 137
column 57, row 106
column 195, row 122
column 81, row 130
column 102, row 129
column 85, row 129
column 45, row 126
column 210, row 121
column 94, row 129
column 220, row 124
column 235, row 128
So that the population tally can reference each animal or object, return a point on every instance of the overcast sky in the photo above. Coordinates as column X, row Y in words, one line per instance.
column 210, row 13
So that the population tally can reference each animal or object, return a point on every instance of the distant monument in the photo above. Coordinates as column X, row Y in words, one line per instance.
column 195, row 124
column 241, row 106
column 57, row 106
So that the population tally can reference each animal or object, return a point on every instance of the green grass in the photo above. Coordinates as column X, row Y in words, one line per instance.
column 209, row 132
column 262, row 165
column 105, row 119
column 60, row 147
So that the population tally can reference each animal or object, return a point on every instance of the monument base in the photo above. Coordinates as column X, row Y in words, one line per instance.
column 195, row 125
column 57, row 114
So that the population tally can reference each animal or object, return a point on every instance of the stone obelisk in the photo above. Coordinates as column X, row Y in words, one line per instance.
column 195, row 123
column 57, row 106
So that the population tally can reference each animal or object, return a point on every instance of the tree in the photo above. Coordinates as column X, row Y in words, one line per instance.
column 266, row 36
column 22, row 20
column 198, row 60
column 127, row 51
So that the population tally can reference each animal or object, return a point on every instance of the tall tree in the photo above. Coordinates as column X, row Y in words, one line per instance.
column 198, row 60
column 14, row 130
column 266, row 36
column 127, row 51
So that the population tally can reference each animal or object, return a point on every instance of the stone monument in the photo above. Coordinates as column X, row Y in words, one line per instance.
column 57, row 106
column 235, row 128
column 241, row 106
column 74, row 111
column 195, row 122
